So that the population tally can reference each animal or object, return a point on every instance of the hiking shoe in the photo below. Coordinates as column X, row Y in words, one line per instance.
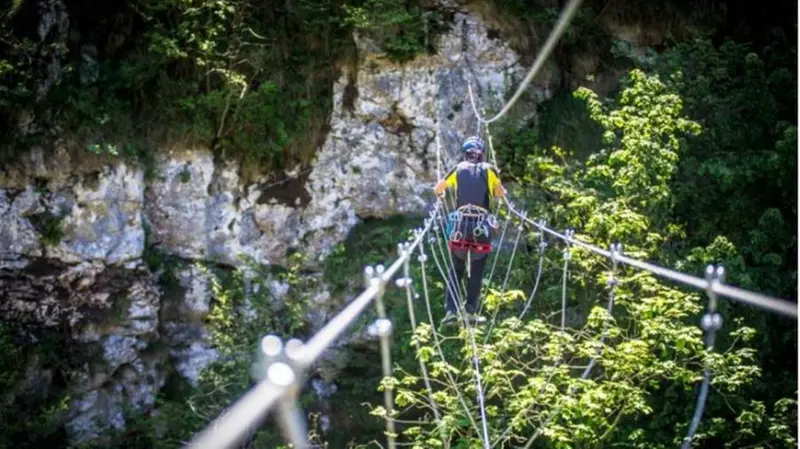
column 449, row 318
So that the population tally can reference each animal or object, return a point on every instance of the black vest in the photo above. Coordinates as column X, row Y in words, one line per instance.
column 472, row 184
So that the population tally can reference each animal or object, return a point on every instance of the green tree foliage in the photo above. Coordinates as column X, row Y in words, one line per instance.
column 745, row 160
column 398, row 28
column 736, row 187
column 249, row 79
column 733, row 190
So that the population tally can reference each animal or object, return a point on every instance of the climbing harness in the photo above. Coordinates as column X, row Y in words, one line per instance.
column 469, row 229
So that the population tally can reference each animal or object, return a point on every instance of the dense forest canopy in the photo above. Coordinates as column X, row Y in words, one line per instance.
column 705, row 124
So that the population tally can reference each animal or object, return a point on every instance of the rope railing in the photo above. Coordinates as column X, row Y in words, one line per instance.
column 776, row 305
column 563, row 21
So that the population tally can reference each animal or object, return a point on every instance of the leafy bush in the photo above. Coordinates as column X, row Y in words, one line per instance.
column 398, row 28
column 251, row 80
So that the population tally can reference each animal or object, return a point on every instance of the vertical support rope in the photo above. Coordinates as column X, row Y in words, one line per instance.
column 441, row 353
column 405, row 282
column 567, row 257
column 461, row 293
column 497, row 251
column 711, row 323
column 492, row 153
column 513, row 253
column 457, row 301
column 565, row 274
column 505, row 281
column 451, row 281
column 542, row 247
column 543, row 425
column 383, row 329
column 615, row 250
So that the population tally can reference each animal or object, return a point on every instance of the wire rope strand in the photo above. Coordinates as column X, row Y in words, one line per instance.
column 406, row 283
column 505, row 283
column 711, row 323
column 458, row 391
column 496, row 256
column 542, row 247
column 563, row 21
column 567, row 257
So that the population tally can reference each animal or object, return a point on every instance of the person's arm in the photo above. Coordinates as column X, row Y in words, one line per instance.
column 495, row 185
column 448, row 181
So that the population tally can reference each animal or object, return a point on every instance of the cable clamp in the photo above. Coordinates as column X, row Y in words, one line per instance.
column 615, row 249
column 712, row 321
column 382, row 327
column 567, row 254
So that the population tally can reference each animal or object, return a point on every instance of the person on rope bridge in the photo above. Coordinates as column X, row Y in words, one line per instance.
column 470, row 228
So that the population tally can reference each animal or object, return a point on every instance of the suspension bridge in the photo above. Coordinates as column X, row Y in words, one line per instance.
column 286, row 364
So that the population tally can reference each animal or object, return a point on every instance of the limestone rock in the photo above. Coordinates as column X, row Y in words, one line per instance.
column 110, row 313
column 18, row 237
column 189, row 349
column 103, row 217
column 135, row 385
column 95, row 218
column 380, row 157
column 197, row 286
column 194, row 210
column 184, row 330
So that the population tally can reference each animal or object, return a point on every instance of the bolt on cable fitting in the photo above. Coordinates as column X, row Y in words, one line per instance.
column 382, row 327
column 712, row 321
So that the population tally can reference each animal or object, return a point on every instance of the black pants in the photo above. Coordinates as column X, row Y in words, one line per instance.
column 473, row 283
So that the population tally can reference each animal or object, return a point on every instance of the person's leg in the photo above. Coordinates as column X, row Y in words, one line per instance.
column 474, row 283
column 453, row 284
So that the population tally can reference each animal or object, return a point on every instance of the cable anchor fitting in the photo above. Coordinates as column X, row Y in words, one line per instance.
column 541, row 224
column 374, row 276
column 616, row 250
column 712, row 321
column 567, row 254
column 402, row 251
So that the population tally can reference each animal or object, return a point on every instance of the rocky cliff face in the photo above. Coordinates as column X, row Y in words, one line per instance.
column 72, row 239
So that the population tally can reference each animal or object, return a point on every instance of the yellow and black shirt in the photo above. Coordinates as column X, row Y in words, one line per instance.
column 474, row 183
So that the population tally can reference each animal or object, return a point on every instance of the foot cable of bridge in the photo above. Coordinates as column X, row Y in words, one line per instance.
column 542, row 247
column 382, row 328
column 406, row 283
